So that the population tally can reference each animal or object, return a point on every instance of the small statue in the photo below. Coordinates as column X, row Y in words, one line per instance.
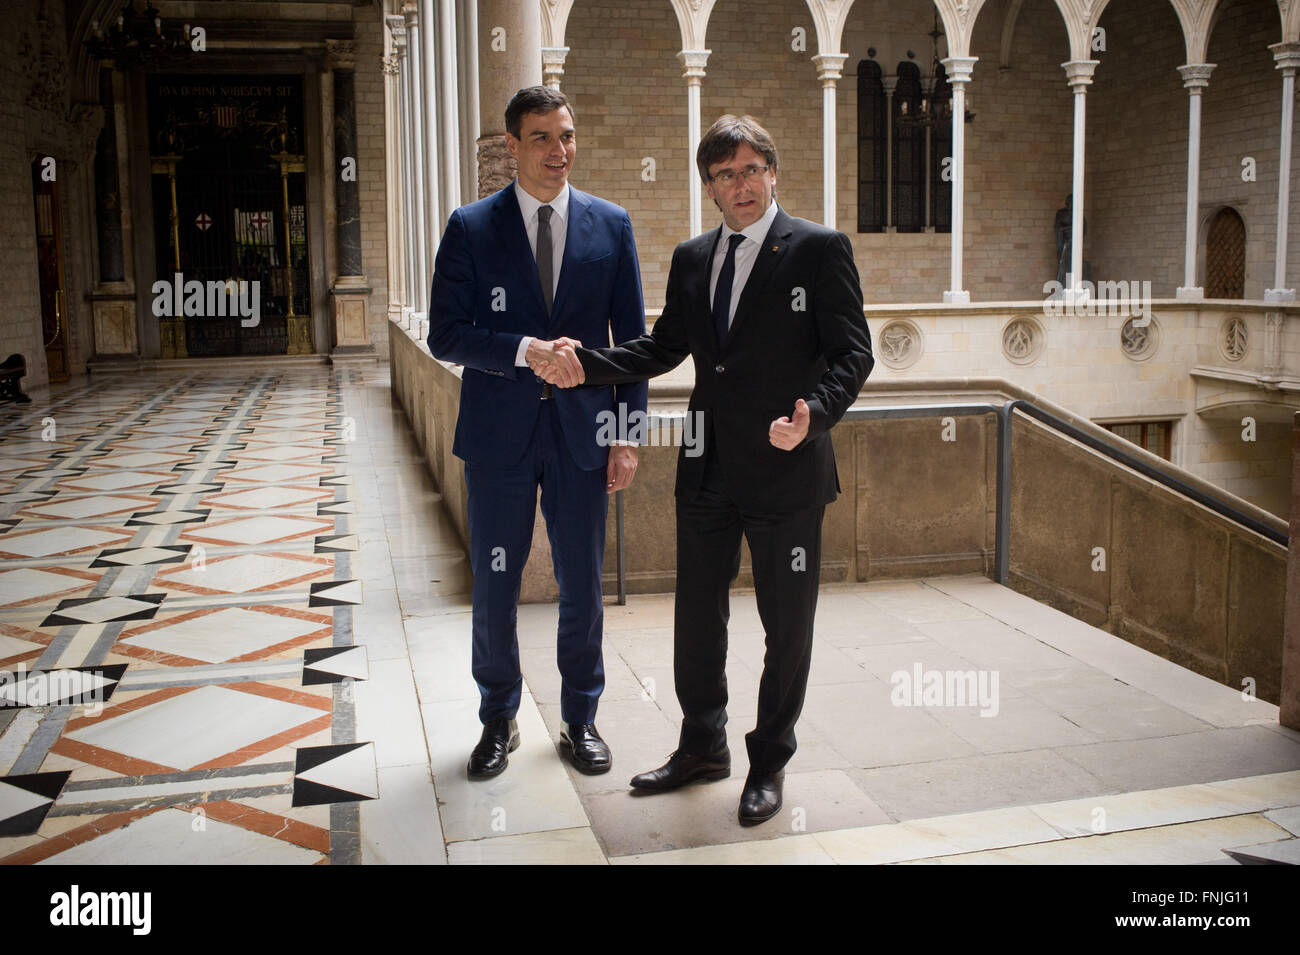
column 1063, row 226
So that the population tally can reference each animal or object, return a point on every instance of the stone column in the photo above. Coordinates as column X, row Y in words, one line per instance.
column 693, row 63
column 394, row 199
column 509, row 58
column 350, row 289
column 467, row 38
column 406, row 153
column 890, row 83
column 415, row 115
column 449, row 129
column 113, row 309
column 959, row 74
column 1079, row 75
column 1287, row 56
column 1196, row 76
column 424, row 63
column 829, row 66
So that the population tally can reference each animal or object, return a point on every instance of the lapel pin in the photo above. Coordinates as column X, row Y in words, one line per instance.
column 776, row 248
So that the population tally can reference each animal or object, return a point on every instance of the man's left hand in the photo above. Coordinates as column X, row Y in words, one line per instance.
column 787, row 434
column 621, row 468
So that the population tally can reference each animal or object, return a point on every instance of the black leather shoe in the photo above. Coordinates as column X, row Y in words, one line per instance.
column 586, row 750
column 761, row 799
column 683, row 768
column 500, row 737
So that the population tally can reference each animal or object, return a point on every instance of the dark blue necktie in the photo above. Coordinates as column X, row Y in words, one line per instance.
column 722, row 294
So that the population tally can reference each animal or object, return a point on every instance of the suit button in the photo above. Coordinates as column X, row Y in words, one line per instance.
column 719, row 369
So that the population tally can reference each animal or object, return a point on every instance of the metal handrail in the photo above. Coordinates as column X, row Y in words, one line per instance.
column 1002, row 537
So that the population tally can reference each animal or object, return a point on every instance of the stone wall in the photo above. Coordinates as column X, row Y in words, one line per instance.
column 20, row 320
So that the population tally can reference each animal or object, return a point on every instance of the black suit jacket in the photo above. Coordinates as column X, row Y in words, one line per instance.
column 798, row 332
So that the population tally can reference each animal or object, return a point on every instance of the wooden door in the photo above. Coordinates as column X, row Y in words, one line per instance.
column 1225, row 256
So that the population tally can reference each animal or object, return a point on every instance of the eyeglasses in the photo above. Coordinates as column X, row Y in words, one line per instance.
column 728, row 176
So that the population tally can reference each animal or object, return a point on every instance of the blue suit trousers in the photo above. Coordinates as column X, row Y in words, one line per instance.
column 502, row 508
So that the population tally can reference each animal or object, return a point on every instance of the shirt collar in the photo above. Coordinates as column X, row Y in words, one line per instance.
column 528, row 204
column 757, row 231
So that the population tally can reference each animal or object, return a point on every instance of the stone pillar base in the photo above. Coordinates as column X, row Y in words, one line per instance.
column 113, row 313
column 1190, row 294
column 113, row 364
column 349, row 353
column 959, row 297
column 350, row 329
column 1279, row 295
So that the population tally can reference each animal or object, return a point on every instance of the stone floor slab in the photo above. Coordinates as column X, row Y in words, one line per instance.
column 1190, row 758
column 705, row 813
column 554, row 847
column 969, row 784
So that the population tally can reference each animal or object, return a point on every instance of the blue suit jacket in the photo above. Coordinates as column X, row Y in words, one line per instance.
column 486, row 296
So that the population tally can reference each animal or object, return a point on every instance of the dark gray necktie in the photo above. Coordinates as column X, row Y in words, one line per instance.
column 545, row 256
column 722, row 293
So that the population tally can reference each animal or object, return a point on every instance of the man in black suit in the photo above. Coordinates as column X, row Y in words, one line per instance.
column 770, row 308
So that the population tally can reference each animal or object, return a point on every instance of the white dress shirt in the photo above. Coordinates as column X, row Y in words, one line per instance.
column 746, row 255
column 528, row 206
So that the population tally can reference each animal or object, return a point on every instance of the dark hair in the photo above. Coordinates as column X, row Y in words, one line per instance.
column 726, row 136
column 533, row 99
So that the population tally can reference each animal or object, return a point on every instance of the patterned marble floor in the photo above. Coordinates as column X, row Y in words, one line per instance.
column 176, row 595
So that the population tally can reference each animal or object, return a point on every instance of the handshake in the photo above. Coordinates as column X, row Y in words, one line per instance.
column 556, row 362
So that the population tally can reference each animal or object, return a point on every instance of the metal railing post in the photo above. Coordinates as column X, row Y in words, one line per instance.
column 618, row 535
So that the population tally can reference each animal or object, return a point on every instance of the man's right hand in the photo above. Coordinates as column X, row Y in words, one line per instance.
column 556, row 362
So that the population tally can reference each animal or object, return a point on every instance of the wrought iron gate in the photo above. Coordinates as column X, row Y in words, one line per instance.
column 230, row 212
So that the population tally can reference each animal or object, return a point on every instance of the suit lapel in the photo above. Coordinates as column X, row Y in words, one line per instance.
column 508, row 223
column 578, row 226
column 703, row 272
column 773, row 248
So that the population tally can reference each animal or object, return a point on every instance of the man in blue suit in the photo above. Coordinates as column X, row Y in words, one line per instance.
column 535, row 262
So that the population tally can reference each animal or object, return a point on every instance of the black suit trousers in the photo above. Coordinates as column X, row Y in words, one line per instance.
column 786, row 551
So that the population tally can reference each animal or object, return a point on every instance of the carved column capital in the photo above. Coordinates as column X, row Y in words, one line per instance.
column 1287, row 56
column 959, row 68
column 830, row 66
column 693, row 63
column 1196, row 76
column 1078, row 73
column 553, row 58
